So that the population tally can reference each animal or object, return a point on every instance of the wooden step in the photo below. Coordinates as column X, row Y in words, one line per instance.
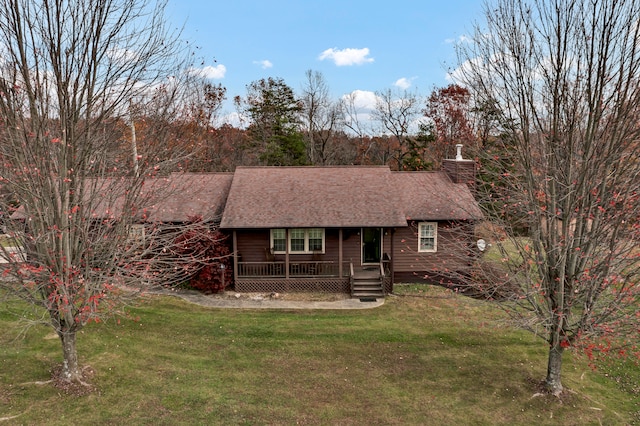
column 367, row 288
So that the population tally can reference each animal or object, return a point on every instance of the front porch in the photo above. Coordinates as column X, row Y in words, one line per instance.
column 321, row 276
column 338, row 260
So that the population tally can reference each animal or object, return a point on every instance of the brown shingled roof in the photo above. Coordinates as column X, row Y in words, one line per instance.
column 287, row 197
column 174, row 198
column 433, row 196
column 299, row 197
column 184, row 195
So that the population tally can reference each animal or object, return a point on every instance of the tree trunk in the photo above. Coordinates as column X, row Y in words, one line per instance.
column 70, row 369
column 553, row 383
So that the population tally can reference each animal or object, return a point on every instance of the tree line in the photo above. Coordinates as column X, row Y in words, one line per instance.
column 281, row 128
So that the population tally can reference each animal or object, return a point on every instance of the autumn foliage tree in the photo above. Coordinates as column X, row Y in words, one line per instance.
column 69, row 73
column 564, row 76
column 449, row 111
column 183, row 130
column 196, row 128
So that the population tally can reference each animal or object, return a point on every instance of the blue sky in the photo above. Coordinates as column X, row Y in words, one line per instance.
column 356, row 45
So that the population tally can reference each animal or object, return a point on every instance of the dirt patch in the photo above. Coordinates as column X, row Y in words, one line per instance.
column 538, row 386
column 4, row 397
column 81, row 388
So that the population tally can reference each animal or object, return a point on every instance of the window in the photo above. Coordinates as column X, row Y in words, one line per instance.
column 297, row 240
column 316, row 240
column 427, row 236
column 136, row 235
column 278, row 240
column 300, row 240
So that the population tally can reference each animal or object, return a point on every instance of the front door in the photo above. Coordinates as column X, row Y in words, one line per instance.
column 371, row 245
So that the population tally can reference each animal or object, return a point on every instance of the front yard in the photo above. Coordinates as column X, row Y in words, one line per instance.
column 427, row 356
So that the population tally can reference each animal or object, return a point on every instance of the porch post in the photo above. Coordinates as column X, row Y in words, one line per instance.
column 235, row 255
column 392, row 232
column 340, row 252
column 286, row 253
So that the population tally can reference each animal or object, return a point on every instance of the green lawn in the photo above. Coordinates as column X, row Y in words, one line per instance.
column 426, row 357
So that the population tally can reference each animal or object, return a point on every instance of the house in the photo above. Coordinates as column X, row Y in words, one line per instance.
column 353, row 229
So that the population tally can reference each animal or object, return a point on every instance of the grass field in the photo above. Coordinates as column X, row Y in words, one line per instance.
column 426, row 357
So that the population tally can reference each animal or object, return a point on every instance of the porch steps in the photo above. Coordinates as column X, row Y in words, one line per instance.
column 367, row 287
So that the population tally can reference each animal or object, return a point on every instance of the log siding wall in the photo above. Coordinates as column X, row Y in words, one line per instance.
column 453, row 253
column 252, row 244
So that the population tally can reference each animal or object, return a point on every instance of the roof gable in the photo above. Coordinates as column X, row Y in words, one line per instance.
column 433, row 196
column 288, row 197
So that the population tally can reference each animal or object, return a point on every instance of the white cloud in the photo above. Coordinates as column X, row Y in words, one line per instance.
column 461, row 39
column 264, row 64
column 234, row 119
column 362, row 99
column 404, row 83
column 347, row 57
column 457, row 75
column 210, row 72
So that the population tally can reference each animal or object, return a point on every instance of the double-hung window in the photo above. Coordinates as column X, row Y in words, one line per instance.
column 301, row 240
column 427, row 237
column 278, row 240
column 297, row 240
column 315, row 240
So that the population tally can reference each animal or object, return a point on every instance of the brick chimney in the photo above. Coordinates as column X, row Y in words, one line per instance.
column 460, row 170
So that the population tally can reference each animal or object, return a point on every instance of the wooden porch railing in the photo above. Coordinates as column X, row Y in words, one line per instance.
column 351, row 276
column 296, row 269
column 382, row 276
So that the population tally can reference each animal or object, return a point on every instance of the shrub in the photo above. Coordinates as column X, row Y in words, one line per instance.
column 205, row 257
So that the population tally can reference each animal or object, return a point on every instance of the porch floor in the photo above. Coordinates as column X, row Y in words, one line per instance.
column 372, row 271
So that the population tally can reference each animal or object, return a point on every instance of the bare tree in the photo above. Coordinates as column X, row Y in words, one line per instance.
column 69, row 70
column 321, row 118
column 399, row 115
column 565, row 76
column 351, row 115
column 355, row 120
